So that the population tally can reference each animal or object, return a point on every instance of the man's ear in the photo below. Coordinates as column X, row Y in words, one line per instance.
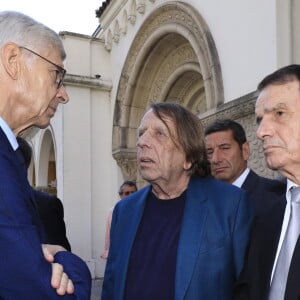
column 246, row 150
column 187, row 165
column 10, row 57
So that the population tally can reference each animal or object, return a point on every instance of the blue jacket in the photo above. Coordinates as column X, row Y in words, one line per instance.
column 25, row 274
column 214, row 235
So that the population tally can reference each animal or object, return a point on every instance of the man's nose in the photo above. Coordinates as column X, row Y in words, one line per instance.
column 264, row 129
column 62, row 95
column 215, row 157
column 144, row 140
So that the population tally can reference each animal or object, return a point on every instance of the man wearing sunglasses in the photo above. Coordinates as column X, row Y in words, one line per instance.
column 31, row 88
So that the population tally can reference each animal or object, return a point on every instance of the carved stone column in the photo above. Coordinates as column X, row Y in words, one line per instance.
column 126, row 160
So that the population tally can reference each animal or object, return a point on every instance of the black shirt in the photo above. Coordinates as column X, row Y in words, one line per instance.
column 152, row 263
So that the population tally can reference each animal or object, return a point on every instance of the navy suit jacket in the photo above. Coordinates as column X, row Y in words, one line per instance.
column 254, row 281
column 212, row 242
column 262, row 191
column 25, row 274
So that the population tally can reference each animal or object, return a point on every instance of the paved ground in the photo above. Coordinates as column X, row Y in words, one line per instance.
column 96, row 289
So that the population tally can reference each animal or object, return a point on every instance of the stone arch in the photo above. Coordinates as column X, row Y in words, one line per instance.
column 46, row 166
column 173, row 58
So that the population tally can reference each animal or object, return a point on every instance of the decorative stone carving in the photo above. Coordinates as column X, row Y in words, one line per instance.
column 108, row 41
column 182, row 55
column 116, row 36
column 126, row 160
column 141, row 6
column 132, row 19
column 132, row 14
column 124, row 22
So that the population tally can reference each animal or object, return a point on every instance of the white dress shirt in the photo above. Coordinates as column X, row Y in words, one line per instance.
column 9, row 134
column 285, row 222
column 240, row 180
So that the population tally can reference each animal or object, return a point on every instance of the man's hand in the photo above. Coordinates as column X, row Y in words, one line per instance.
column 59, row 280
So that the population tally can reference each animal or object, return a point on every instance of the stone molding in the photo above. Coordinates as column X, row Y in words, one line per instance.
column 126, row 160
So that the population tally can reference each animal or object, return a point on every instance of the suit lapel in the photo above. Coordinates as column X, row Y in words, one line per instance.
column 190, row 237
column 250, row 181
column 262, row 249
column 132, row 221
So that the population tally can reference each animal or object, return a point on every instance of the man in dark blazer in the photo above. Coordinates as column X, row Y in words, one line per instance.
column 31, row 88
column 182, row 237
column 278, row 114
column 51, row 212
column 50, row 208
column 228, row 152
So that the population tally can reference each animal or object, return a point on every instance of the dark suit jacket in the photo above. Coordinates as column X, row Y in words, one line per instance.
column 254, row 281
column 261, row 191
column 212, row 242
column 25, row 274
column 51, row 212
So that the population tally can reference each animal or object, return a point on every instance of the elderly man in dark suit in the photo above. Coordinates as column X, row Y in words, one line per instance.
column 228, row 152
column 271, row 270
column 31, row 88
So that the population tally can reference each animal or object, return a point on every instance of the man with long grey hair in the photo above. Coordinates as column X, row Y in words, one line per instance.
column 184, row 235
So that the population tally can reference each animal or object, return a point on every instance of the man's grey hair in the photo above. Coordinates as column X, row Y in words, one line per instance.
column 24, row 31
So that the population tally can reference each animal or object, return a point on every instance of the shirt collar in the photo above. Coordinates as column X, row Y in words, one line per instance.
column 289, row 185
column 9, row 134
column 240, row 180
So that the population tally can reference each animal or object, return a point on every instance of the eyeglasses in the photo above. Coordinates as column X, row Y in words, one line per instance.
column 60, row 70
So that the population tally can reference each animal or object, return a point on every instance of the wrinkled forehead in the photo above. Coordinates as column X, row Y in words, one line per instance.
column 152, row 117
column 277, row 96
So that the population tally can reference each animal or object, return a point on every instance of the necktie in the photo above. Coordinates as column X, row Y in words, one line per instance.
column 278, row 284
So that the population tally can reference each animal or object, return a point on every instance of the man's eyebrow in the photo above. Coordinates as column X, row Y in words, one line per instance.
column 278, row 106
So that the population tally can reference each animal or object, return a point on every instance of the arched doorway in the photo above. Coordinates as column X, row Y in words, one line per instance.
column 46, row 167
column 172, row 58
